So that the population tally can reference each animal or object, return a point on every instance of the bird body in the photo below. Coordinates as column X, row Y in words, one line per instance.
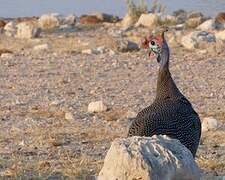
column 170, row 114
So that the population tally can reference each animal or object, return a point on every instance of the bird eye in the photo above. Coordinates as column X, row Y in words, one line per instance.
column 152, row 43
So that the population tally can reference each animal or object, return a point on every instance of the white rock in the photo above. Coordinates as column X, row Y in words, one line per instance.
column 127, row 21
column 70, row 20
column 27, row 31
column 69, row 116
column 148, row 20
column 7, row 55
column 10, row 29
column 97, row 106
column 131, row 114
column 220, row 35
column 42, row 47
column 207, row 25
column 209, row 123
column 90, row 51
column 149, row 158
column 189, row 42
column 49, row 21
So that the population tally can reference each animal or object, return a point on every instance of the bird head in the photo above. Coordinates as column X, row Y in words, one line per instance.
column 157, row 46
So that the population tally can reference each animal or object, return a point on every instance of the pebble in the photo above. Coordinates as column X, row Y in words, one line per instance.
column 7, row 56
column 209, row 123
column 97, row 106
column 69, row 116
column 41, row 47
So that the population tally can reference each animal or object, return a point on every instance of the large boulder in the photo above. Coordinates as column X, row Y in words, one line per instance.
column 220, row 35
column 148, row 20
column 69, row 20
column 148, row 158
column 128, row 21
column 106, row 17
column 49, row 21
column 90, row 20
column 207, row 25
column 181, row 16
column 189, row 42
column 2, row 23
column 220, row 20
column 10, row 29
column 26, row 30
column 196, row 38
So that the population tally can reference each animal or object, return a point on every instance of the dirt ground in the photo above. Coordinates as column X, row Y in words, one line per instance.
column 37, row 90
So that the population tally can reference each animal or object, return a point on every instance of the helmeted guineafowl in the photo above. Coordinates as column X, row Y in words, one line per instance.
column 171, row 113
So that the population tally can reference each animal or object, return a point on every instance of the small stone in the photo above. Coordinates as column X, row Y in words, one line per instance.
column 97, row 106
column 42, row 47
column 90, row 51
column 131, row 114
column 69, row 116
column 7, row 55
column 209, row 123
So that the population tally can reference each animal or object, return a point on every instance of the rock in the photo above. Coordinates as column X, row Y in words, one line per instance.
column 42, row 47
column 194, row 14
column 27, row 19
column 107, row 17
column 69, row 20
column 189, row 42
column 10, row 29
column 181, row 16
column 174, row 38
column 87, row 51
column 157, row 157
column 220, row 35
column 2, row 24
column 7, row 55
column 5, row 51
column 49, row 21
column 195, row 38
column 126, row 46
column 193, row 22
column 209, row 123
column 128, row 21
column 69, row 116
column 89, row 19
column 204, row 36
column 27, row 31
column 220, row 20
column 207, row 25
column 148, row 20
column 131, row 114
column 96, row 106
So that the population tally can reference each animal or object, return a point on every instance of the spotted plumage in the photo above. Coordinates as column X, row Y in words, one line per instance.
column 171, row 113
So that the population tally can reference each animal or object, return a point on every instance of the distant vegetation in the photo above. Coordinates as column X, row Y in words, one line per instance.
column 135, row 9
